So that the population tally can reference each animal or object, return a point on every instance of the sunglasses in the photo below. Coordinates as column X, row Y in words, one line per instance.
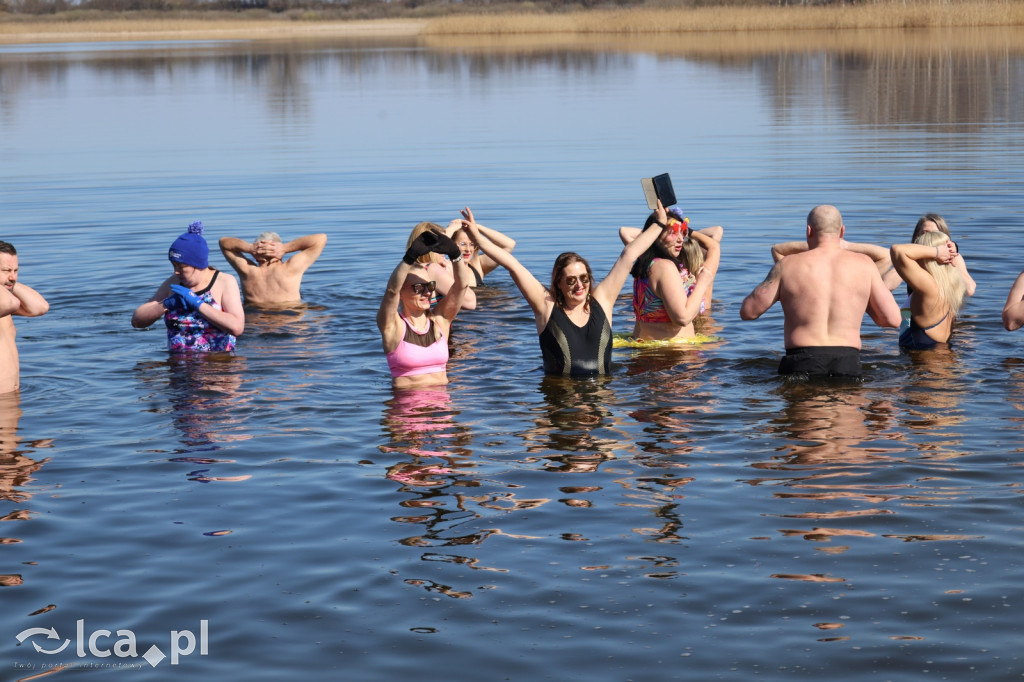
column 423, row 287
column 677, row 227
column 570, row 280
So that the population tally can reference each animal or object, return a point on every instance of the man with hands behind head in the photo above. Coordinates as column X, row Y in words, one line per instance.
column 824, row 292
column 15, row 299
column 268, row 280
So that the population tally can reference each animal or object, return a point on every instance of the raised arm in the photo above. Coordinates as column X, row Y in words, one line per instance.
column 1013, row 311
column 906, row 258
column 9, row 303
column 235, row 251
column 32, row 304
column 681, row 308
column 608, row 290
column 628, row 234
column 388, row 321
column 764, row 294
column 449, row 306
column 961, row 266
column 715, row 232
column 535, row 293
column 879, row 254
column 500, row 240
column 306, row 249
column 780, row 251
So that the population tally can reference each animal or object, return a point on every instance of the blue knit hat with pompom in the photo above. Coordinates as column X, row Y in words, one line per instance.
column 190, row 248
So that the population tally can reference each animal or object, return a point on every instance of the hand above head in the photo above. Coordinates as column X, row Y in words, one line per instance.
column 189, row 298
column 421, row 246
column 467, row 214
column 268, row 249
column 447, row 246
column 945, row 253
column 662, row 214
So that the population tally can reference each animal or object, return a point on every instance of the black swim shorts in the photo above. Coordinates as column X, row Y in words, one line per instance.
column 822, row 361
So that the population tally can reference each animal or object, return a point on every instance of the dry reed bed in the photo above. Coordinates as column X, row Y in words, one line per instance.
column 939, row 41
column 896, row 14
column 93, row 30
column 633, row 23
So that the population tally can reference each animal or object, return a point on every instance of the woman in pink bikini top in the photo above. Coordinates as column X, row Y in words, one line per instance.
column 414, row 337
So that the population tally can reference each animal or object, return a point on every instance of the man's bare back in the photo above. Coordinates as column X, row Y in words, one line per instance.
column 825, row 290
column 267, row 280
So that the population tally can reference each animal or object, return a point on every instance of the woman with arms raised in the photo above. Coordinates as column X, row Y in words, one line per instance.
column 937, row 289
column 933, row 222
column 673, row 278
column 574, row 314
column 439, row 269
column 480, row 264
column 414, row 337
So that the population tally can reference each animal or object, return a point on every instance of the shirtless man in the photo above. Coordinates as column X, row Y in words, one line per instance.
column 15, row 299
column 824, row 292
column 271, row 281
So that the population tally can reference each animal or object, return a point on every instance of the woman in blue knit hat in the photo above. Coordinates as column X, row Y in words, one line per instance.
column 201, row 306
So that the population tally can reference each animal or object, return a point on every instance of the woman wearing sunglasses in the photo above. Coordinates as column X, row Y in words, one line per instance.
column 415, row 338
column 673, row 278
column 439, row 269
column 574, row 314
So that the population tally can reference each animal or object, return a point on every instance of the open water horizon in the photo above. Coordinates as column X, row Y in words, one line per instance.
column 692, row 516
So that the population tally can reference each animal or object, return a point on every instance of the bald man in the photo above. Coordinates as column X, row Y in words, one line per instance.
column 824, row 292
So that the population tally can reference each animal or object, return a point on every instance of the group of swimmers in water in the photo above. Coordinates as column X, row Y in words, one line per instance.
column 824, row 284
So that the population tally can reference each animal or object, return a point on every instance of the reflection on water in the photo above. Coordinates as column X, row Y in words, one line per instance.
column 17, row 471
column 206, row 401
column 575, row 425
column 968, row 76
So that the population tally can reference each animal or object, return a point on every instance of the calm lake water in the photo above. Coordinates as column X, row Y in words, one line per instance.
column 692, row 517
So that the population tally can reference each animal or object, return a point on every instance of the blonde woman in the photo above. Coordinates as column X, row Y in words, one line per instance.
column 937, row 288
column 414, row 336
column 933, row 222
column 480, row 264
column 439, row 268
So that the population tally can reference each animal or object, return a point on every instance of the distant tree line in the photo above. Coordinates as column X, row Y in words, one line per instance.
column 342, row 7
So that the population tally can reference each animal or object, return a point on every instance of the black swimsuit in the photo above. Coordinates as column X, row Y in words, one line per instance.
column 577, row 351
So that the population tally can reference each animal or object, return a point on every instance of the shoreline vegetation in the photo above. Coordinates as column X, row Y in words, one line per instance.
column 435, row 22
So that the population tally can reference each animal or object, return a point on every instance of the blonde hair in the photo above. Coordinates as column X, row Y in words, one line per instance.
column 694, row 255
column 416, row 232
column 951, row 284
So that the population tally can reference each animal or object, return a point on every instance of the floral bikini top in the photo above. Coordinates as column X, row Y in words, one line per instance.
column 190, row 332
column 648, row 306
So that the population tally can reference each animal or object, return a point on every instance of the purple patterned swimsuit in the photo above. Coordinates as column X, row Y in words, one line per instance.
column 190, row 332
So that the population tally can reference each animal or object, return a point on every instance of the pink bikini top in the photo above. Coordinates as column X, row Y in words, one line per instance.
column 416, row 355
